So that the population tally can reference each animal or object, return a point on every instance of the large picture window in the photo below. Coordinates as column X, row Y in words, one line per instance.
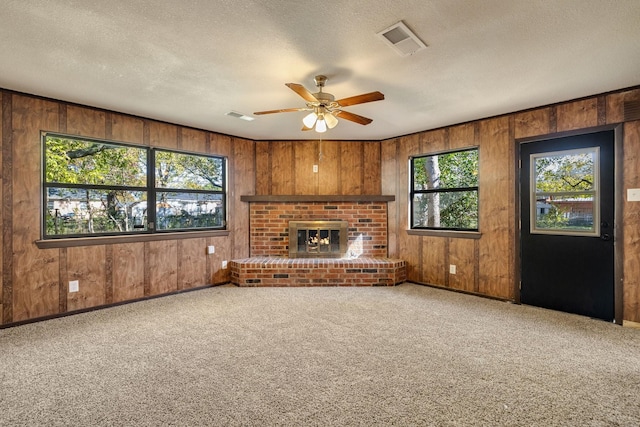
column 444, row 191
column 94, row 188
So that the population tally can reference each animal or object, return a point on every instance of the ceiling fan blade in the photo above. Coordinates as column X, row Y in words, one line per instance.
column 284, row 110
column 305, row 127
column 352, row 117
column 302, row 91
column 361, row 99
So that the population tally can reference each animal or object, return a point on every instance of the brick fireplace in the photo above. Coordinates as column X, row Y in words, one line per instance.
column 363, row 263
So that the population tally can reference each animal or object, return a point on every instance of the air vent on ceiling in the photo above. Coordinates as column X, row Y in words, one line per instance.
column 239, row 116
column 402, row 39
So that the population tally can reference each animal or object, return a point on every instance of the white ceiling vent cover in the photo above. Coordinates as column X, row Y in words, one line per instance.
column 239, row 116
column 402, row 39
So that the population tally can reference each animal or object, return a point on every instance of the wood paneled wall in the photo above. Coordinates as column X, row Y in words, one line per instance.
column 487, row 265
column 35, row 281
column 344, row 167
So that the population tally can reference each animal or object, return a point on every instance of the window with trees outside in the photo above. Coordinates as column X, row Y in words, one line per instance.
column 444, row 191
column 94, row 188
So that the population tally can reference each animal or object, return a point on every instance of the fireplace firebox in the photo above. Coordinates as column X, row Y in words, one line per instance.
column 318, row 239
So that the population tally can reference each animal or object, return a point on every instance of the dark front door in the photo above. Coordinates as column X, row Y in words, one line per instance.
column 567, row 214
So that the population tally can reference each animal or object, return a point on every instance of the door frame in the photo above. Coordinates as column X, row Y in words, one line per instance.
column 618, row 290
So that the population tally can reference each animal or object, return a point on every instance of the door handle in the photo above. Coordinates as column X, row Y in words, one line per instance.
column 605, row 237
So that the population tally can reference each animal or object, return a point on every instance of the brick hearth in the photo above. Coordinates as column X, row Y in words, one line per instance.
column 366, row 263
column 272, row 271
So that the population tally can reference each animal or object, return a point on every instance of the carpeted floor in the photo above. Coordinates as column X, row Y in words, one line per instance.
column 403, row 356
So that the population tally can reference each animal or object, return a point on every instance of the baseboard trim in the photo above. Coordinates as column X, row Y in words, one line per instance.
column 101, row 307
column 630, row 324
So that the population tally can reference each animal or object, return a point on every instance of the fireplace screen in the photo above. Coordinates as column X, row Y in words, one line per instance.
column 317, row 239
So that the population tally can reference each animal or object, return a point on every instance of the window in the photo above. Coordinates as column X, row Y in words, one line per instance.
column 94, row 188
column 444, row 191
column 564, row 192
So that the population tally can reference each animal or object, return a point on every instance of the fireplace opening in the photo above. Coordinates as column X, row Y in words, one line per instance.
column 317, row 239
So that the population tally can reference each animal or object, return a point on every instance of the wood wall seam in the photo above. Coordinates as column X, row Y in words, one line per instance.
column 7, row 208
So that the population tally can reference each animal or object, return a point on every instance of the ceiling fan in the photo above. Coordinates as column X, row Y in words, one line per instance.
column 324, row 109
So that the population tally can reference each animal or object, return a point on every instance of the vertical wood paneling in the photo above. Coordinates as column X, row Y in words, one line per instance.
column 35, row 272
column 126, row 129
column 371, row 172
column 217, row 275
column 220, row 144
column 263, row 168
column 462, row 255
column 128, row 271
column 351, row 167
column 163, row 135
column 108, row 274
column 328, row 167
column 431, row 142
column 389, row 183
column 86, row 265
column 86, row 122
column 193, row 140
column 578, row 114
column 462, row 136
column 192, row 271
column 433, row 260
column 244, row 171
column 532, row 123
column 34, row 281
column 496, row 211
column 163, row 267
column 409, row 247
column 631, row 220
column 5, row 121
column 282, row 167
column 305, row 156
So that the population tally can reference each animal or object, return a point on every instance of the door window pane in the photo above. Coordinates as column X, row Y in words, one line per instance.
column 564, row 192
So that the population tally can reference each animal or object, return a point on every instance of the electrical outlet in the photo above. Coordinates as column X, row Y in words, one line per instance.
column 211, row 250
column 224, row 264
column 452, row 269
column 633, row 194
column 74, row 285
column 315, row 168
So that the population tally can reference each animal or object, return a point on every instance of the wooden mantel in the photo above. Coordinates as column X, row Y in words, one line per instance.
column 318, row 198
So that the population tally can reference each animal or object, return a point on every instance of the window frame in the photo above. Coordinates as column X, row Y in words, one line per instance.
column 466, row 232
column 151, row 232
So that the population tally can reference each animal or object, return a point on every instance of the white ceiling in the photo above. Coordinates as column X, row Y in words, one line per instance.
column 190, row 62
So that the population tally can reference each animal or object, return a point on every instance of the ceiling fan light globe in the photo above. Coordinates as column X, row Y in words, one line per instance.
column 321, row 126
column 310, row 119
column 331, row 120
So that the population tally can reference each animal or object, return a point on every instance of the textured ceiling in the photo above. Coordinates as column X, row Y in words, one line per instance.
column 190, row 62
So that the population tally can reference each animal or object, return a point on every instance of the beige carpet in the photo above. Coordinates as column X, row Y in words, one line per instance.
column 403, row 356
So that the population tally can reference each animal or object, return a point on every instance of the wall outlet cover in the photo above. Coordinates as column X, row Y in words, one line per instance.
column 633, row 194
column 74, row 286
column 211, row 250
column 452, row 269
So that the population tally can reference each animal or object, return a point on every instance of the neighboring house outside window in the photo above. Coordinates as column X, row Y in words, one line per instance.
column 444, row 191
column 98, row 188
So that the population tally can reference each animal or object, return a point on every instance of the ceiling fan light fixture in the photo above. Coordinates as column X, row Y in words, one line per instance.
column 310, row 119
column 321, row 126
column 331, row 120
